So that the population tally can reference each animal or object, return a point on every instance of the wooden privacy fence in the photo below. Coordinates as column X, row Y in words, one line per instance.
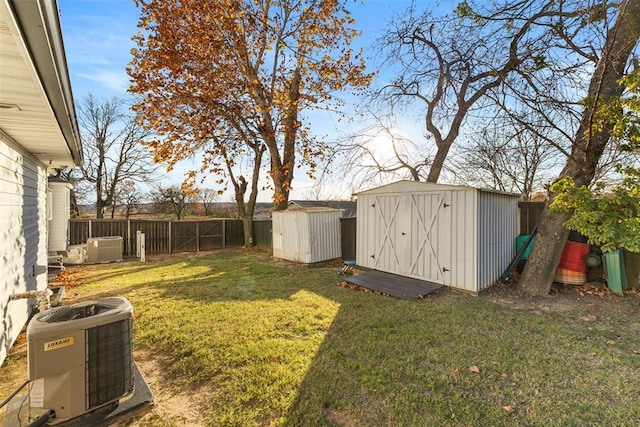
column 161, row 235
column 530, row 213
column 262, row 234
column 201, row 235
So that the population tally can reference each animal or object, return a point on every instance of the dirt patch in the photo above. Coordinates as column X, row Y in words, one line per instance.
column 586, row 302
column 341, row 418
column 173, row 404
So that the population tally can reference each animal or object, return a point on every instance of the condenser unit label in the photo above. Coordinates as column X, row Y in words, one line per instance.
column 53, row 345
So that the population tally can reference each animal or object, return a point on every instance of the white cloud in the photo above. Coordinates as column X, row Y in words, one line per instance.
column 109, row 79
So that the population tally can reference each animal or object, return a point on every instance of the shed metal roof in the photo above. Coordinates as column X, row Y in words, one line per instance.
column 407, row 186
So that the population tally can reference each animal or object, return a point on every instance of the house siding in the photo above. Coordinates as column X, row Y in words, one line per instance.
column 23, row 222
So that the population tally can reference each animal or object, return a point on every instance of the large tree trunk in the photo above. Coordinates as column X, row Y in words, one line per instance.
column 247, row 228
column 73, row 205
column 246, row 210
column 588, row 146
column 100, row 205
column 438, row 162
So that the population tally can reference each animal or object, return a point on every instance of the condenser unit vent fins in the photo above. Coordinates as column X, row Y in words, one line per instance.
column 109, row 362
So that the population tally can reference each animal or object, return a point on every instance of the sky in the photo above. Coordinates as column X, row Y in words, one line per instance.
column 97, row 37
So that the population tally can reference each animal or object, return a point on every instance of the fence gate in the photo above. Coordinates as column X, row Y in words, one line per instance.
column 211, row 235
column 184, row 236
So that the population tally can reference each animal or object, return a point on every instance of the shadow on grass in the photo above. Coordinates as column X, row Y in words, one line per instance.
column 456, row 360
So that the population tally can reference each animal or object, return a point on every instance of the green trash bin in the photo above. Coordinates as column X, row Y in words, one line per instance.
column 615, row 272
column 520, row 241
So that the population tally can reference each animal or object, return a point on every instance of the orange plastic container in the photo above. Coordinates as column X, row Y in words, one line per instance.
column 570, row 277
column 573, row 256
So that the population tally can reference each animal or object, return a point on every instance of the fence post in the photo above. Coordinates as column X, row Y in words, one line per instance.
column 129, row 251
column 198, row 236
column 224, row 234
column 138, row 237
column 143, row 250
column 169, row 237
column 90, row 236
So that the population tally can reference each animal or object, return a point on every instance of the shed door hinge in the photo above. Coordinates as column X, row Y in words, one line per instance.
column 444, row 270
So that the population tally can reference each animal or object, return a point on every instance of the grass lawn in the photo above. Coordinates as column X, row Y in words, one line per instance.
column 261, row 343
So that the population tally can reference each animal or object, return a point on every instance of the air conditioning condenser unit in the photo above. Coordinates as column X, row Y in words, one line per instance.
column 104, row 249
column 80, row 357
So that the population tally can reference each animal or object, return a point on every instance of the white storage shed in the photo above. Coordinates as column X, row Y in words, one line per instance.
column 307, row 235
column 457, row 236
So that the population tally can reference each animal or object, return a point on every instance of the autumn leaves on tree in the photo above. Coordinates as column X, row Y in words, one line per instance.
column 229, row 78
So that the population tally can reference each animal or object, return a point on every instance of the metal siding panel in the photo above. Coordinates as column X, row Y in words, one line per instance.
column 498, row 223
column 290, row 237
column 306, row 236
column 23, row 235
column 277, row 219
column 463, row 237
column 362, row 236
column 434, row 210
column 325, row 241
column 387, row 247
column 367, row 234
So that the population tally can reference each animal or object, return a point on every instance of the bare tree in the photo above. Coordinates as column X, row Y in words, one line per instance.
column 113, row 149
column 379, row 153
column 508, row 158
column 127, row 196
column 206, row 197
column 446, row 65
column 172, row 199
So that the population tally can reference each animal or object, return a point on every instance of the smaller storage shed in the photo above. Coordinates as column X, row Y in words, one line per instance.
column 307, row 235
column 456, row 236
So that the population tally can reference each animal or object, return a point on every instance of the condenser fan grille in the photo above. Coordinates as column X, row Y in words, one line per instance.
column 109, row 362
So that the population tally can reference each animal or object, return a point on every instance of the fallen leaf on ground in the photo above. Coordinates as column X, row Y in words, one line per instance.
column 504, row 376
column 508, row 409
column 611, row 342
column 474, row 369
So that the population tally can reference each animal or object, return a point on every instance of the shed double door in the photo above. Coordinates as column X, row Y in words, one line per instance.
column 412, row 235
